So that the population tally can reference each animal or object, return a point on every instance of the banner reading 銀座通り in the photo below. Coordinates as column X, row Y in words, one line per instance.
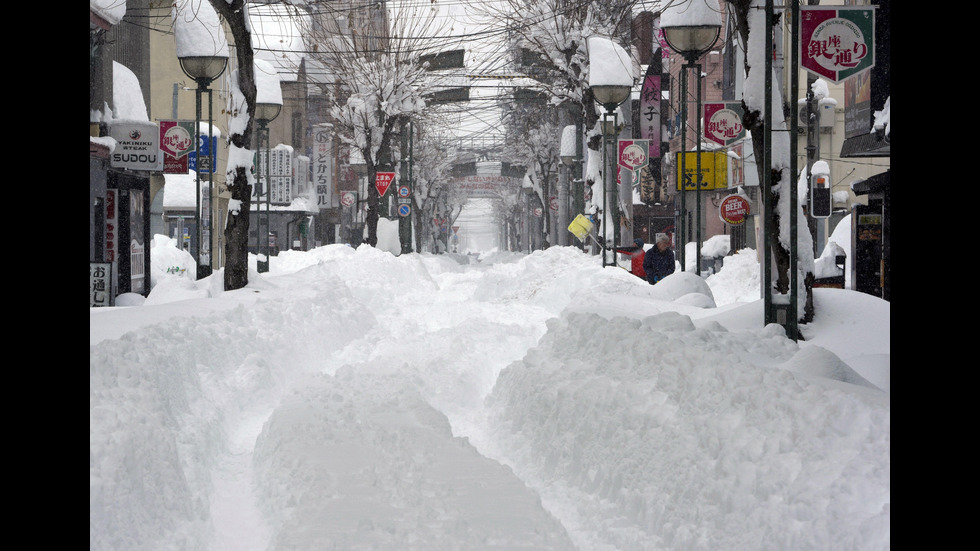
column 723, row 122
column 837, row 42
column 176, row 143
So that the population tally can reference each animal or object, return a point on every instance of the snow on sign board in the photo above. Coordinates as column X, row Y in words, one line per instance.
column 383, row 180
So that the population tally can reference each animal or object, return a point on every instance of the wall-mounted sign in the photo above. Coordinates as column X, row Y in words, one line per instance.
column 348, row 198
column 137, row 146
column 207, row 154
column 714, row 170
column 323, row 165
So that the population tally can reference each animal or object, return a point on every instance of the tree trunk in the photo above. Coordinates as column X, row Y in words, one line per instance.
column 236, row 229
column 754, row 123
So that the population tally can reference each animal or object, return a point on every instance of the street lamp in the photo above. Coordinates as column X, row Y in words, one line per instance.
column 268, row 104
column 691, row 29
column 567, row 155
column 611, row 76
column 203, row 70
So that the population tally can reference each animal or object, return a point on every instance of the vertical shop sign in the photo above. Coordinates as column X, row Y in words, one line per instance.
column 111, row 224
column 651, row 125
column 322, row 166
column 101, row 291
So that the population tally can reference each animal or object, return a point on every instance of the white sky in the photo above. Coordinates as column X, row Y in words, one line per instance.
column 351, row 399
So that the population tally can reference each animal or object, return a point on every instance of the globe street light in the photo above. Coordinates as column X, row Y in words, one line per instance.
column 611, row 81
column 691, row 29
column 567, row 156
column 268, row 104
column 203, row 70
column 264, row 114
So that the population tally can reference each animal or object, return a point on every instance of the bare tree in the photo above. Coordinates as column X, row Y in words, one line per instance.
column 240, row 142
column 433, row 160
column 547, row 40
column 374, row 75
column 751, row 27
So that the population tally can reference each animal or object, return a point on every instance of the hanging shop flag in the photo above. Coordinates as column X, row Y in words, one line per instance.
column 651, row 125
column 723, row 122
column 837, row 42
column 176, row 141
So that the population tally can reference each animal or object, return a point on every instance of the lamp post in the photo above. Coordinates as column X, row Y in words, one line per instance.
column 610, row 80
column 203, row 70
column 567, row 156
column 691, row 29
column 608, row 99
column 268, row 104
column 264, row 114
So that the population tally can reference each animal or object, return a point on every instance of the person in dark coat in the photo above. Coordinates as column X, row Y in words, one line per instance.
column 636, row 257
column 659, row 260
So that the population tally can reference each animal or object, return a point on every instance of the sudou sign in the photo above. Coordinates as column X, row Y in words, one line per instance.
column 137, row 146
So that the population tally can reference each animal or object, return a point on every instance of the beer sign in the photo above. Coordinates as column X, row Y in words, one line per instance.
column 734, row 209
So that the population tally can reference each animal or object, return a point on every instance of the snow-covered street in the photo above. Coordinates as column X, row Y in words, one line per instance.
column 351, row 399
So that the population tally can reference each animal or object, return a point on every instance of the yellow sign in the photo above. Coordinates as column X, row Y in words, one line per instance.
column 714, row 170
column 580, row 227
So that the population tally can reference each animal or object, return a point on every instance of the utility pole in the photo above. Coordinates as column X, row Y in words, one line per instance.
column 812, row 153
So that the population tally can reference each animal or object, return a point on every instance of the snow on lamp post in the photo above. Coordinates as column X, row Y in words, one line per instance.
column 691, row 29
column 268, row 104
column 611, row 77
column 567, row 155
column 202, row 51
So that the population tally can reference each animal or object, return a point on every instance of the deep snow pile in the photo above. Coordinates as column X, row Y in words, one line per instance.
column 667, row 437
column 351, row 399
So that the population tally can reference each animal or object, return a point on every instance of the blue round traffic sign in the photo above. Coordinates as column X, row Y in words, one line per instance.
column 403, row 210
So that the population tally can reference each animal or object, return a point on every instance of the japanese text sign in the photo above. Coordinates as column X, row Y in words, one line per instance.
column 723, row 122
column 383, row 180
column 837, row 42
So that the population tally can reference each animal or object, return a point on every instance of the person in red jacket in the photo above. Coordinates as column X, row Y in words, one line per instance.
column 636, row 258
